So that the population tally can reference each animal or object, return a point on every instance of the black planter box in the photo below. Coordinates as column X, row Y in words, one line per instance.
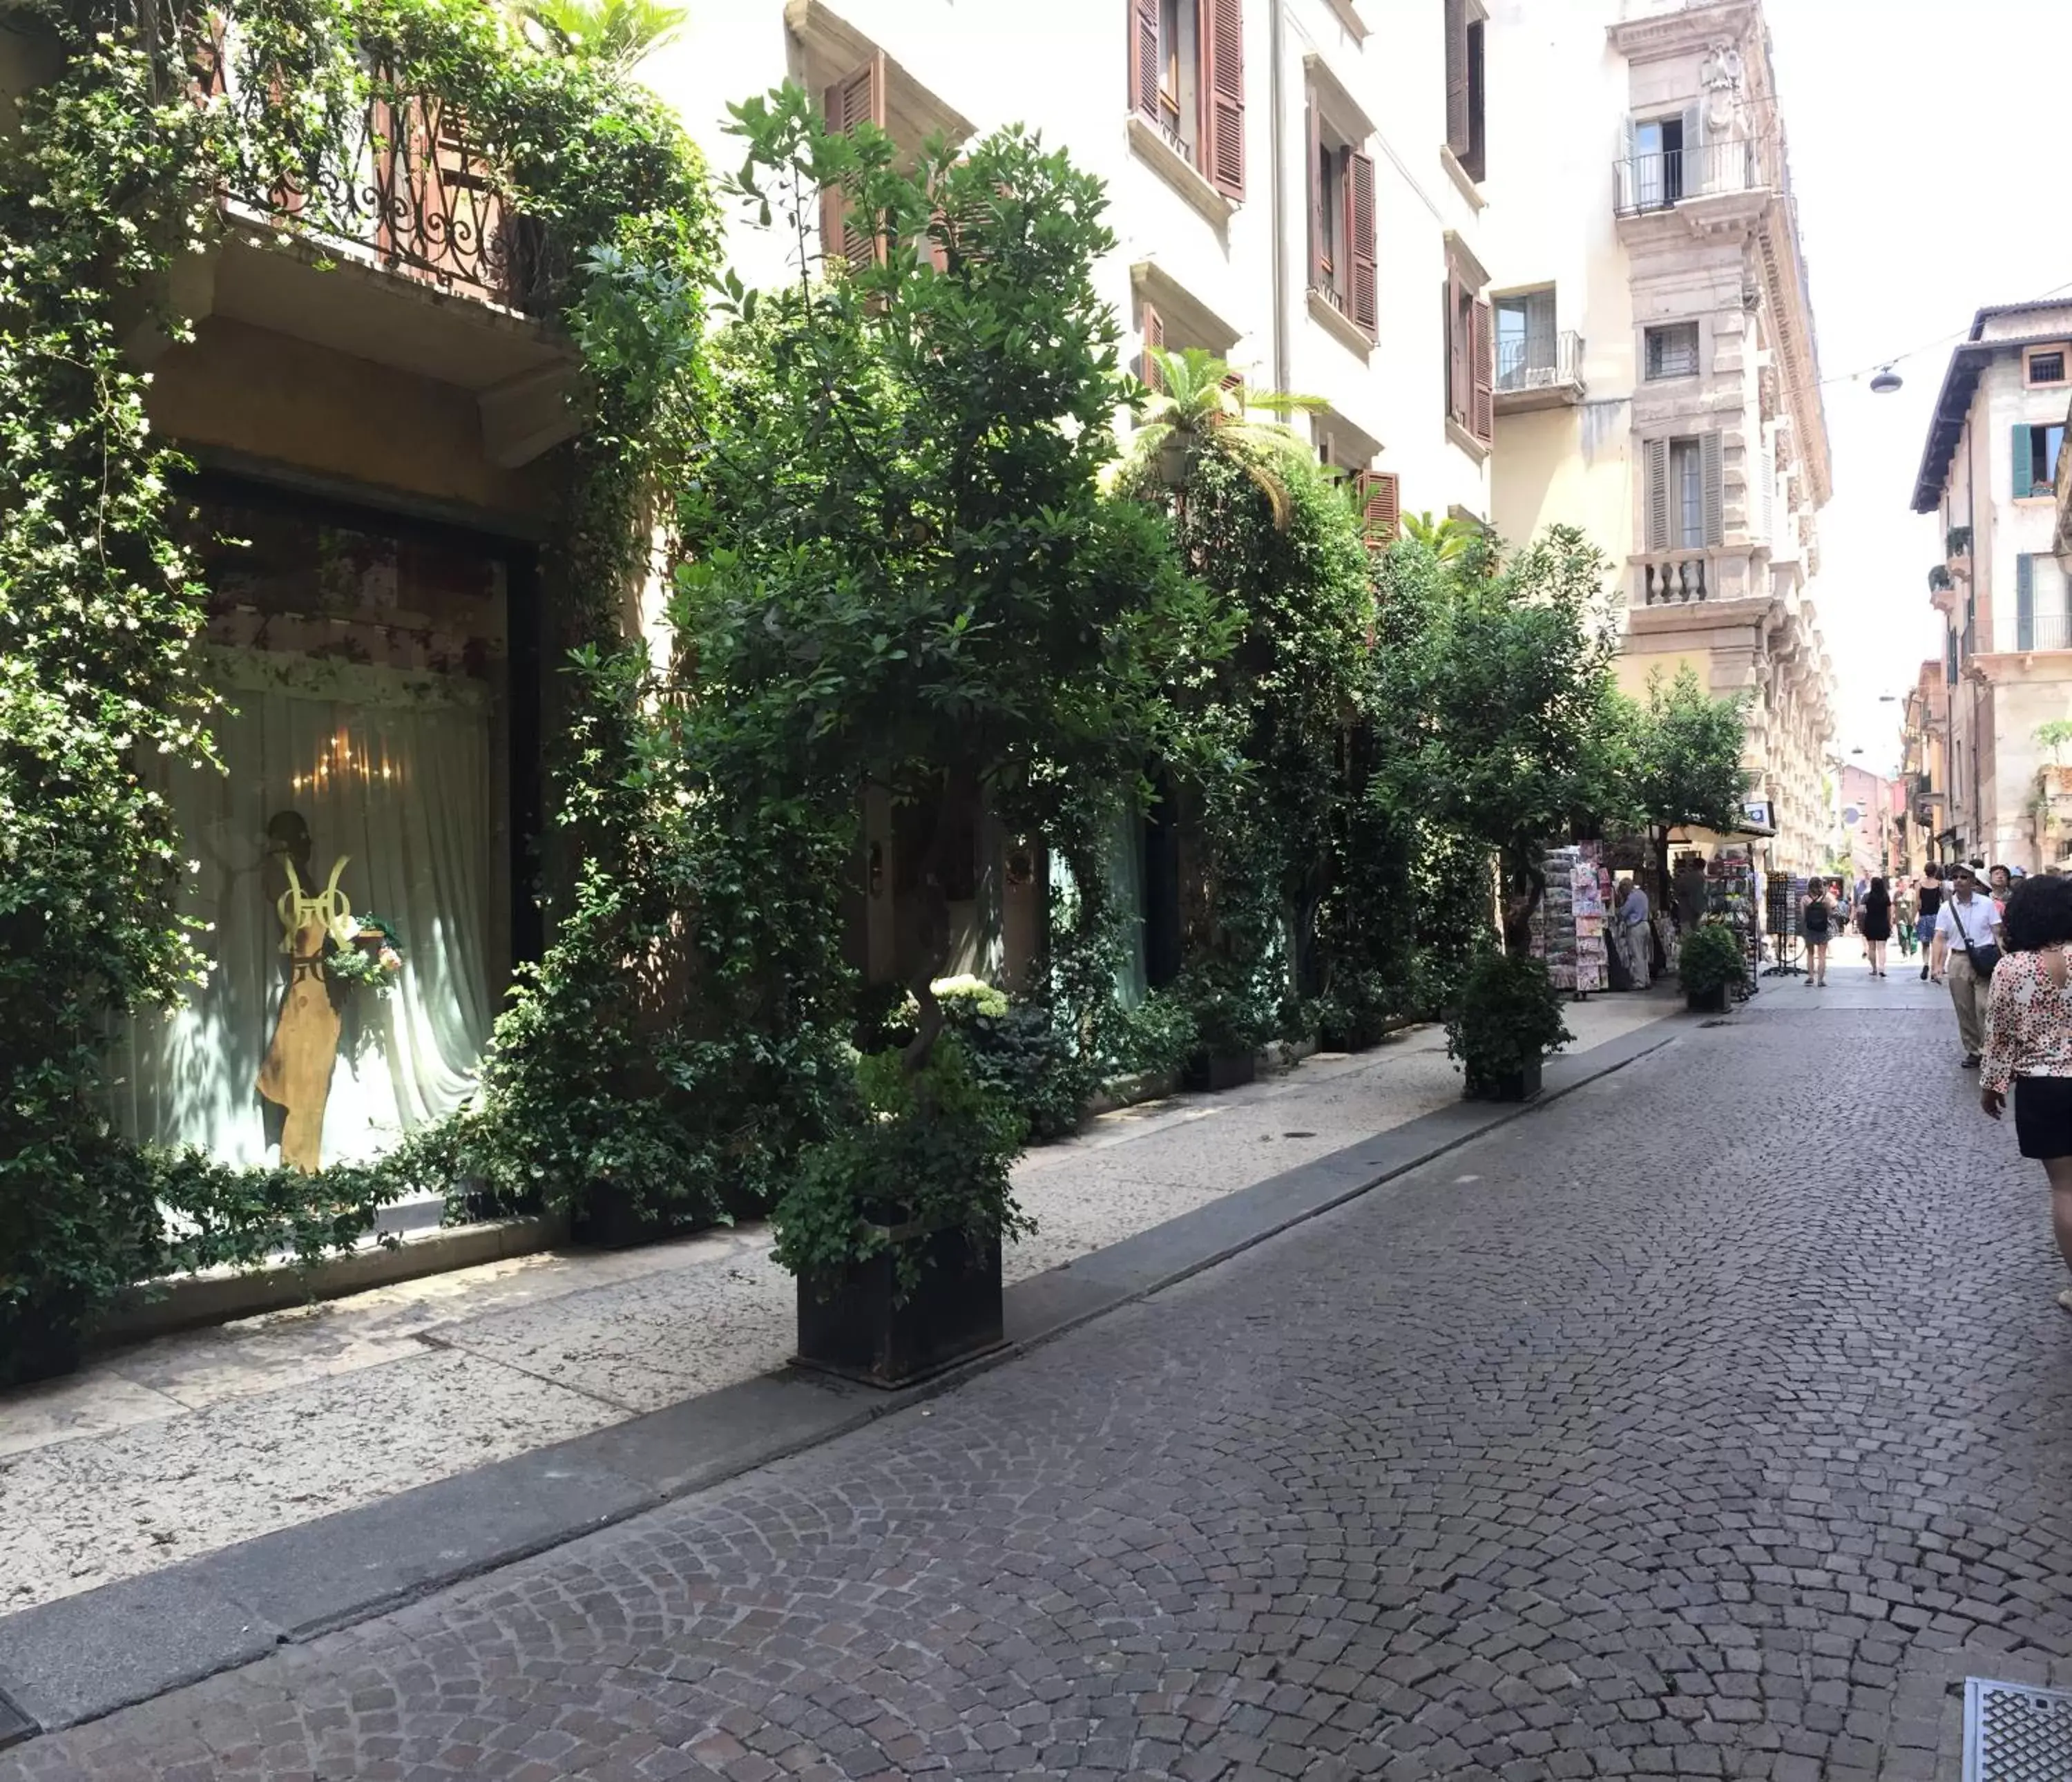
column 1519, row 1085
column 849, row 1325
column 41, row 1342
column 1214, row 1072
column 611, row 1219
column 1711, row 1001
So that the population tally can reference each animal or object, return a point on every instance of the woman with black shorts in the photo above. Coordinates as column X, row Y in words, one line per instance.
column 2029, row 1040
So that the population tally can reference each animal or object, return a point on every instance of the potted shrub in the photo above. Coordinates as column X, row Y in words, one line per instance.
column 1709, row 965
column 1507, row 1020
column 1231, row 1022
column 894, row 1225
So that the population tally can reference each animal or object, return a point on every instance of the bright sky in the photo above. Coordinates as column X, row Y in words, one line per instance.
column 1927, row 151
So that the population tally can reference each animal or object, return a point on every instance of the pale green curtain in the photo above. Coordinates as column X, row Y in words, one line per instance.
column 392, row 770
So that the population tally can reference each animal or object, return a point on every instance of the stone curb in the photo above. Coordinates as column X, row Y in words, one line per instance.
column 86, row 1656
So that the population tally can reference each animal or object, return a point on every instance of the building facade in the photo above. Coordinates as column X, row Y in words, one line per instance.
column 1658, row 381
column 1291, row 182
column 1989, row 473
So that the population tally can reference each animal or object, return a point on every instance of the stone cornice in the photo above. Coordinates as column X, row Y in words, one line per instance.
column 1687, row 28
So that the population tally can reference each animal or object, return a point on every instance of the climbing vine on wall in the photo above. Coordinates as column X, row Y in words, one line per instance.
column 113, row 173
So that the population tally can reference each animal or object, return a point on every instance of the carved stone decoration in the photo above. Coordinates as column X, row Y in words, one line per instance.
column 1720, row 74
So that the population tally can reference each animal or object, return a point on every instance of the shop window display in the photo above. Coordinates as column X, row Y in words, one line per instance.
column 353, row 856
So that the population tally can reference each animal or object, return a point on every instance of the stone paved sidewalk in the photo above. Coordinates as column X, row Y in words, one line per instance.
column 1715, row 1421
column 185, row 1445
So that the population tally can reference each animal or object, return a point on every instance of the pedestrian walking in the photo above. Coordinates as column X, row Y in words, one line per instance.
column 1970, row 926
column 1903, row 920
column 1816, row 921
column 2000, row 881
column 2028, row 1041
column 1876, row 925
column 1931, row 912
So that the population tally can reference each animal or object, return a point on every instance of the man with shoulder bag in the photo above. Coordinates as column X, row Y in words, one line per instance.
column 1970, row 924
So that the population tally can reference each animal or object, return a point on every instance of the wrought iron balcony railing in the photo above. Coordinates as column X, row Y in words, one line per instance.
column 400, row 183
column 1663, row 179
column 2042, row 631
column 1540, row 363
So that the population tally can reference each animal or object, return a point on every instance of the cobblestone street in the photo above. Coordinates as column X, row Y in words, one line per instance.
column 1716, row 1421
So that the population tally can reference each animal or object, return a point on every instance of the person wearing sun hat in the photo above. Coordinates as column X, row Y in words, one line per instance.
column 1970, row 925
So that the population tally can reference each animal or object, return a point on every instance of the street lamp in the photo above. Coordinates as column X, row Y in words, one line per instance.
column 1886, row 381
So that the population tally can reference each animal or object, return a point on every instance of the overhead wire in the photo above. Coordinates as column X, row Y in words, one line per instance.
column 1914, row 352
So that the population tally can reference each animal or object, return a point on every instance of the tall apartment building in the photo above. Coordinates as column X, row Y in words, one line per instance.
column 1657, row 381
column 1988, row 472
column 1291, row 181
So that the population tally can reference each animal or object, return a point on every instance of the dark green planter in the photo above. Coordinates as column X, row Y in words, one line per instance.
column 44, row 1340
column 1711, row 1001
column 1519, row 1085
column 851, row 1322
column 1215, row 1071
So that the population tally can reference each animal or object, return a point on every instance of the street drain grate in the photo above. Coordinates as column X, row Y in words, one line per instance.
column 2015, row 1734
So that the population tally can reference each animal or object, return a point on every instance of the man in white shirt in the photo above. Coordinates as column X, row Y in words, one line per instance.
column 1970, row 920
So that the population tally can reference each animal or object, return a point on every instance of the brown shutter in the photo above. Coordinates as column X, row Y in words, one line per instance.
column 1457, row 354
column 1317, row 275
column 1657, row 463
column 1143, row 57
column 1223, row 60
column 1380, row 507
column 1484, row 425
column 1154, row 336
column 1458, row 124
column 857, row 98
column 1362, row 283
column 1475, row 163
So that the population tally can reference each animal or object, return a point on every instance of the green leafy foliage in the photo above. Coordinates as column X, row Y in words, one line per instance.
column 1505, row 705
column 929, row 1149
column 1509, row 1016
column 109, row 179
column 1710, row 955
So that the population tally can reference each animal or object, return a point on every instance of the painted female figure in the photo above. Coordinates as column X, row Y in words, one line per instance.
column 295, row 1074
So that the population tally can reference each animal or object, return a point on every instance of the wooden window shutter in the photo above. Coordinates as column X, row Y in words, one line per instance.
column 1658, row 494
column 1456, row 358
column 1154, row 336
column 2025, row 602
column 1222, row 60
column 1319, row 273
column 1364, row 284
column 1713, row 456
column 857, row 98
column 1379, row 494
column 1457, row 129
column 1475, row 163
column 1484, row 426
column 2024, row 463
column 1144, row 58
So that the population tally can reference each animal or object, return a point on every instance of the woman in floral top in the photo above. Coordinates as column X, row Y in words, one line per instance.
column 2029, row 1040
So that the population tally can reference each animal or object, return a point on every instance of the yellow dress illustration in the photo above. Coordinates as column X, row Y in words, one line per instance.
column 295, row 1074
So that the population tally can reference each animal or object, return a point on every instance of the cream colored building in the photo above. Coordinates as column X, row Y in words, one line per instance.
column 1657, row 378
column 1989, row 472
column 1291, row 181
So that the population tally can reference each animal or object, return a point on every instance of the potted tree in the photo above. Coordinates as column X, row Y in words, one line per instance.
column 1507, row 1022
column 1710, row 964
column 2056, row 736
column 907, row 590
column 894, row 1226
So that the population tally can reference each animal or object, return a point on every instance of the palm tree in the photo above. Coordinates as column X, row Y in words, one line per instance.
column 621, row 33
column 1448, row 539
column 1198, row 402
